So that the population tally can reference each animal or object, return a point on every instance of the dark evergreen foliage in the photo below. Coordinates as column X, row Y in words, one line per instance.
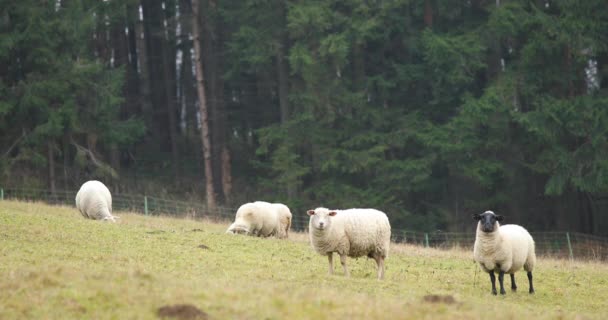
column 428, row 110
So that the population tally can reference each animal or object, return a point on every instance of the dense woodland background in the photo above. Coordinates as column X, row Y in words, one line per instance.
column 429, row 110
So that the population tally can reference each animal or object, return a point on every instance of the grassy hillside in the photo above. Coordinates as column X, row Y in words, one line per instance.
column 56, row 265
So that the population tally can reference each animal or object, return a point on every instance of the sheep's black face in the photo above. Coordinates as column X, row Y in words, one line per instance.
column 487, row 220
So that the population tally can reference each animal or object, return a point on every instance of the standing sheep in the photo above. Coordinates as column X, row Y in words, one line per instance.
column 262, row 219
column 94, row 201
column 353, row 232
column 504, row 249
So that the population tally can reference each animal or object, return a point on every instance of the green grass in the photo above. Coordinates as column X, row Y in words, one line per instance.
column 56, row 265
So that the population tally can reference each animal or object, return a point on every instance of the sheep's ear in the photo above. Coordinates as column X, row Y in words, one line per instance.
column 332, row 213
column 499, row 217
column 310, row 212
column 476, row 216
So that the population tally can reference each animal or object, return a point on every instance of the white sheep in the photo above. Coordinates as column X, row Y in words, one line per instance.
column 284, row 219
column 505, row 249
column 262, row 219
column 94, row 201
column 353, row 232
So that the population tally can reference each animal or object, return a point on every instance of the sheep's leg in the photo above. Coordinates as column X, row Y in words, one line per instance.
column 513, row 285
column 330, row 258
column 501, row 281
column 380, row 263
column 343, row 262
column 493, row 281
column 530, row 280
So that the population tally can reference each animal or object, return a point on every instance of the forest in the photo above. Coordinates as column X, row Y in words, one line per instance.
column 428, row 110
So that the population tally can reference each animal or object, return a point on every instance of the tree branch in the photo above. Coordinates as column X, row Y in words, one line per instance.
column 23, row 135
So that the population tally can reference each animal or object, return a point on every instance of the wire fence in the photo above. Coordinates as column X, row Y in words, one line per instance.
column 569, row 245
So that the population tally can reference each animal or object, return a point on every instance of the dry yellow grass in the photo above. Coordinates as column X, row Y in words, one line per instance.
column 56, row 265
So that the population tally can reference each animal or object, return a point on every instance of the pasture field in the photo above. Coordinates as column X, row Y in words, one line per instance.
column 54, row 264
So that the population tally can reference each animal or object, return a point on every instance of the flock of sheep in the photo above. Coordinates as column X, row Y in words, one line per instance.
column 353, row 233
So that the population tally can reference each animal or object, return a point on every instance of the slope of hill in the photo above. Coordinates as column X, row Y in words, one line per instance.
column 56, row 265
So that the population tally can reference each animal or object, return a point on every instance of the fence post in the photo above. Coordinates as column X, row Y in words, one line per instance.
column 146, row 205
column 1, row 193
column 569, row 245
column 426, row 239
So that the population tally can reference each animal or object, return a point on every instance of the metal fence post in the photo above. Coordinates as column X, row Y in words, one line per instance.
column 146, row 205
column 569, row 245
column 426, row 239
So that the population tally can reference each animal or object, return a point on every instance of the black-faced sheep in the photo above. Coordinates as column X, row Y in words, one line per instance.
column 504, row 249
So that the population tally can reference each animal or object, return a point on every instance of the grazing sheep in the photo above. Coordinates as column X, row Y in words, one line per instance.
column 353, row 232
column 284, row 219
column 94, row 201
column 262, row 219
column 504, row 249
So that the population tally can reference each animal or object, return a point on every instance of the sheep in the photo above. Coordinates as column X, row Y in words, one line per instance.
column 505, row 249
column 94, row 201
column 284, row 219
column 262, row 219
column 352, row 232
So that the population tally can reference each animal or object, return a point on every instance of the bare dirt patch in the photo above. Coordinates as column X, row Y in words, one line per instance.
column 438, row 298
column 182, row 312
column 202, row 246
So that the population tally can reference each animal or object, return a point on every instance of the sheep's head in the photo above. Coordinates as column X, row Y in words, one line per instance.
column 237, row 229
column 110, row 218
column 320, row 218
column 488, row 221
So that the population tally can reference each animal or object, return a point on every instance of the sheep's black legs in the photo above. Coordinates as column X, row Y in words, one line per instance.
column 493, row 280
column 513, row 285
column 501, row 280
column 530, row 280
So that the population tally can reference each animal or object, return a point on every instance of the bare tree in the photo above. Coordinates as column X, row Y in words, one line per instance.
column 167, row 54
column 204, row 114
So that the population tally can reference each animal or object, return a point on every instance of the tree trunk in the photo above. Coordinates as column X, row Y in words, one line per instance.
column 283, row 84
column 154, row 38
column 187, row 85
column 212, row 60
column 189, row 96
column 226, row 175
column 144, row 73
column 282, row 71
column 204, row 115
column 51, row 165
column 65, row 155
column 170, row 102
column 428, row 14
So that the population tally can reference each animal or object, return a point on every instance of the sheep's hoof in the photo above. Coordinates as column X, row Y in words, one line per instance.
column 531, row 291
column 494, row 292
column 503, row 292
